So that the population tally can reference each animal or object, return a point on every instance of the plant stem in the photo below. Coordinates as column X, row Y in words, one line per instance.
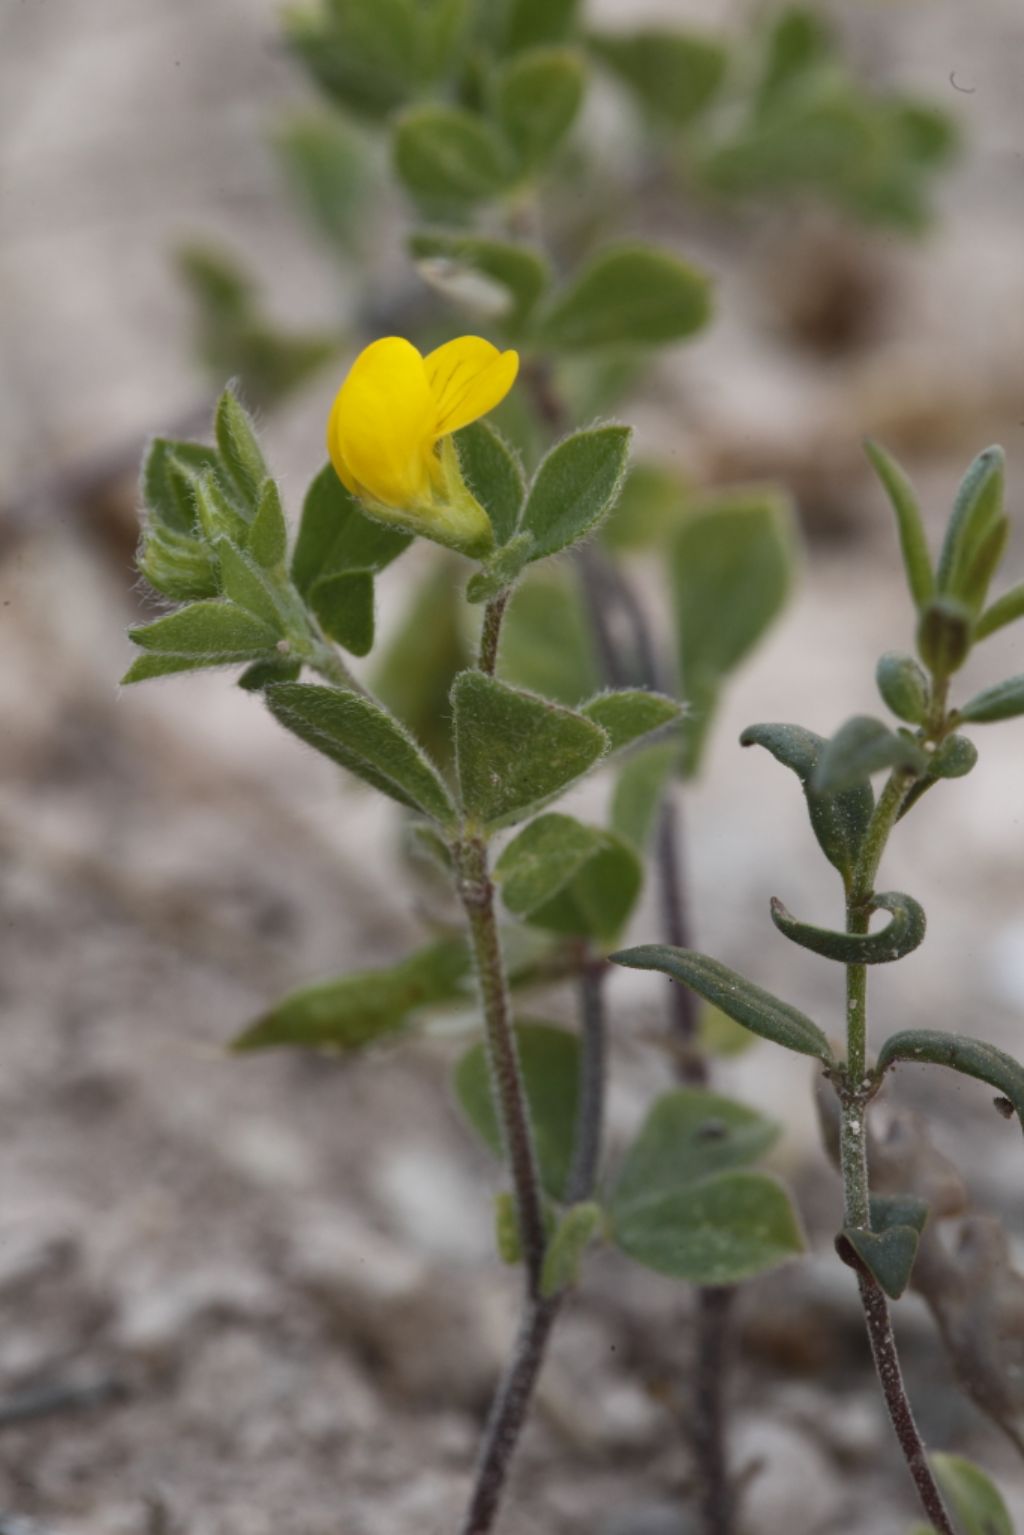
column 490, row 635
column 691, row 1063
column 476, row 893
column 325, row 660
column 508, row 1414
column 887, row 1368
column 708, row 1429
column 512, row 1399
column 592, row 1078
column 855, row 1094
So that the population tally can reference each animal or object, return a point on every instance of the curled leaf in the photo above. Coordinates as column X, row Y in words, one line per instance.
column 839, row 819
column 901, row 936
column 971, row 1057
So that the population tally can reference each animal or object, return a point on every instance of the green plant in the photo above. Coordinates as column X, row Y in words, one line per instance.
column 549, row 668
column 880, row 1233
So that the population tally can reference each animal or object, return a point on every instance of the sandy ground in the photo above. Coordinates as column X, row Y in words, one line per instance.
column 260, row 1296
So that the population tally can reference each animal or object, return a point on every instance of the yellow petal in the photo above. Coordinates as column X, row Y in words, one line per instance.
column 341, row 468
column 380, row 427
column 468, row 377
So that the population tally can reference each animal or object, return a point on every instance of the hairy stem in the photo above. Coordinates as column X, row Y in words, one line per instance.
column 691, row 1062
column 476, row 893
column 855, row 1093
column 490, row 635
column 714, row 1317
column 515, row 1391
column 890, row 1376
column 508, row 1414
column 593, row 1076
column 325, row 660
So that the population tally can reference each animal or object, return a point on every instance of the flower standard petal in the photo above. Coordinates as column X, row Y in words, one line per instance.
column 334, row 451
column 380, row 428
column 468, row 377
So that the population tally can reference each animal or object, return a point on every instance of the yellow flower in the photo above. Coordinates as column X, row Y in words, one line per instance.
column 395, row 410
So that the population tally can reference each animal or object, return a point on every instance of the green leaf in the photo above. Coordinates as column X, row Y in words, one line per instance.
column 364, row 54
column 798, row 41
column 549, row 1060
column 353, row 1011
column 335, row 536
column 268, row 533
column 971, row 1057
column 738, row 998
column 599, row 901
column 217, row 513
column 913, row 544
column 570, row 878
column 176, row 565
column 976, row 1501
column 442, row 28
column 953, row 759
column 572, row 1236
column 689, row 1135
column 167, row 489
column 326, row 165
column 717, row 1232
column 674, row 75
column 239, row 448
column 494, row 476
column 281, row 669
column 982, row 563
column 627, row 296
column 901, row 936
column 732, row 570
column 490, row 275
column 217, row 630
column 647, row 510
column 944, row 635
column 889, row 1210
column 359, row 735
column 246, row 584
column 888, row 1255
column 839, row 820
column 863, row 746
column 530, row 23
column 542, row 859
column 344, row 606
column 636, row 801
column 154, row 664
column 630, row 714
column 513, row 751
column 904, row 686
column 978, row 504
column 537, row 96
column 546, row 640
column 1004, row 701
column 1005, row 610
column 575, row 488
column 446, row 155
